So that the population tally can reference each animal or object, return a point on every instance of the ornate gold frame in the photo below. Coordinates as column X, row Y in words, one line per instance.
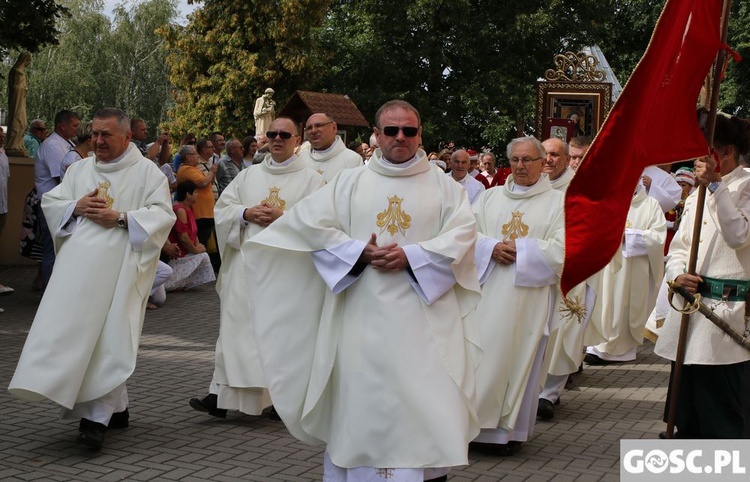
column 552, row 98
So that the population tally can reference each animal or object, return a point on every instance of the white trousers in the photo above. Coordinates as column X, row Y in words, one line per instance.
column 99, row 410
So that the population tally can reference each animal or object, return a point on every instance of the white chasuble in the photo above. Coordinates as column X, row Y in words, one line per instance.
column 515, row 310
column 628, row 283
column 237, row 363
column 565, row 348
column 84, row 339
column 381, row 377
column 723, row 253
column 333, row 160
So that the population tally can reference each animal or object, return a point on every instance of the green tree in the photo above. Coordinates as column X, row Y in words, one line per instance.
column 232, row 50
column 29, row 24
column 469, row 66
column 105, row 63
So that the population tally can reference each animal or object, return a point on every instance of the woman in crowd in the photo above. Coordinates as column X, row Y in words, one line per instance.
column 84, row 147
column 192, row 267
column 203, row 206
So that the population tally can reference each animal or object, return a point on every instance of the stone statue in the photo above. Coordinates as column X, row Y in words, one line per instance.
column 264, row 111
column 17, row 122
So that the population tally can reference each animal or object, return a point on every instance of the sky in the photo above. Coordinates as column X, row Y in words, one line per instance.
column 182, row 7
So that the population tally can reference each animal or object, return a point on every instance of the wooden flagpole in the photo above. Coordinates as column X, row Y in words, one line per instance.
column 674, row 389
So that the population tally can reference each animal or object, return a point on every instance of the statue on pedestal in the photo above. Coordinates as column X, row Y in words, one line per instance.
column 17, row 121
column 264, row 111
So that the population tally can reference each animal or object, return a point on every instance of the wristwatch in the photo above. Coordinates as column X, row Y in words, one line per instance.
column 713, row 186
column 121, row 221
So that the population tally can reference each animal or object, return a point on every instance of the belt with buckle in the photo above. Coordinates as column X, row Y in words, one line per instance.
column 724, row 289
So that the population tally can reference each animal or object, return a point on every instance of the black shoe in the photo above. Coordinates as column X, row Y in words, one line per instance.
column 546, row 409
column 208, row 404
column 273, row 414
column 580, row 368
column 92, row 433
column 592, row 359
column 120, row 419
column 438, row 479
column 500, row 450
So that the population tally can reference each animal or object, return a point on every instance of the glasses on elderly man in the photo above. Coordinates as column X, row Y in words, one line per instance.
column 392, row 131
column 524, row 160
column 319, row 125
column 283, row 134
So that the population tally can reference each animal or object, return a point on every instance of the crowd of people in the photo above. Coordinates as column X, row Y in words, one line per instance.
column 427, row 318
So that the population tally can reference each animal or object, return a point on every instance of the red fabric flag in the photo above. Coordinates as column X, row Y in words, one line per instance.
column 653, row 122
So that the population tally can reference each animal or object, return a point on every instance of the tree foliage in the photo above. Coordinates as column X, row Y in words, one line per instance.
column 104, row 63
column 29, row 24
column 231, row 51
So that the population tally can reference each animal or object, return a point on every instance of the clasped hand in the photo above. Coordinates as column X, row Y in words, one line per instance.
column 504, row 252
column 262, row 214
column 95, row 208
column 390, row 257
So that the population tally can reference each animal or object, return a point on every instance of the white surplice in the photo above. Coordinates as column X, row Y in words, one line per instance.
column 331, row 161
column 516, row 307
column 380, row 367
column 238, row 377
column 663, row 188
column 84, row 339
column 629, row 282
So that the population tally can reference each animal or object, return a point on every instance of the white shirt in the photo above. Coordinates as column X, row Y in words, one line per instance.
column 48, row 165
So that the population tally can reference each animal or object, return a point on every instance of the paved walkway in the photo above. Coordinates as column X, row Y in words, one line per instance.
column 169, row 441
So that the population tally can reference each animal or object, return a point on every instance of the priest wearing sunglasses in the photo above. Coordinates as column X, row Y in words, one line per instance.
column 253, row 200
column 374, row 359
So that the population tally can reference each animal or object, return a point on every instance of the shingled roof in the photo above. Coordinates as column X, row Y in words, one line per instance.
column 304, row 103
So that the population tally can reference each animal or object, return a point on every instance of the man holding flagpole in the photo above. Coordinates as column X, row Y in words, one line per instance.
column 713, row 397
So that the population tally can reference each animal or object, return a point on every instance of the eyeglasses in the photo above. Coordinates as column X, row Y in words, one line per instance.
column 317, row 126
column 283, row 134
column 524, row 160
column 392, row 131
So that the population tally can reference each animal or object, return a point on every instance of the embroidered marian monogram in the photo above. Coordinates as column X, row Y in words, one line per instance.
column 394, row 219
column 103, row 194
column 515, row 228
column 273, row 200
column 385, row 473
column 628, row 225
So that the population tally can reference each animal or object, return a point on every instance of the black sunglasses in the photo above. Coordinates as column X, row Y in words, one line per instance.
column 283, row 134
column 392, row 131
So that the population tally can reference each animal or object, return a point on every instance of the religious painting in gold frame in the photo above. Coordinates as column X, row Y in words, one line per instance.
column 591, row 101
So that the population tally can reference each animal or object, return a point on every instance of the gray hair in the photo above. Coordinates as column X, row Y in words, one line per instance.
column 527, row 139
column 563, row 143
column 123, row 121
column 186, row 149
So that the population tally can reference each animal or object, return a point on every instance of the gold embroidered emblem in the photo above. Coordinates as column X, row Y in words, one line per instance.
column 394, row 219
column 515, row 228
column 628, row 224
column 320, row 171
column 273, row 200
column 102, row 193
column 572, row 307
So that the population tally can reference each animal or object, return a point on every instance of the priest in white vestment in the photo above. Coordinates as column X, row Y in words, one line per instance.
column 519, row 260
column 629, row 283
column 109, row 218
column 564, row 352
column 257, row 197
column 460, row 164
column 379, row 365
column 714, row 395
column 327, row 154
